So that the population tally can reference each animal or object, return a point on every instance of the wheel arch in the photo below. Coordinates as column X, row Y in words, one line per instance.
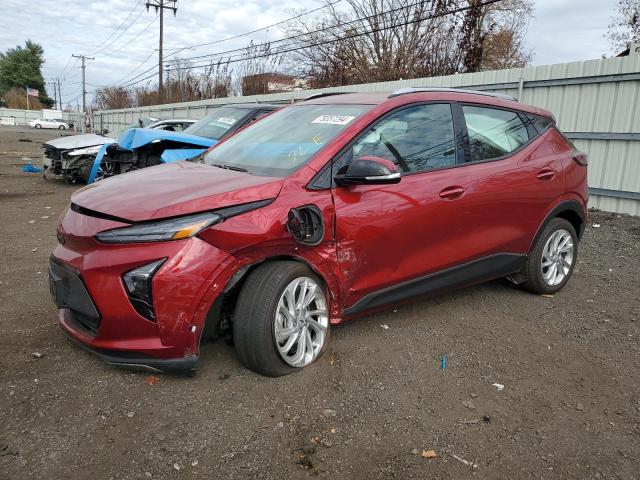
column 217, row 315
column 570, row 210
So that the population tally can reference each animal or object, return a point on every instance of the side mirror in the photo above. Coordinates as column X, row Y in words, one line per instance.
column 368, row 171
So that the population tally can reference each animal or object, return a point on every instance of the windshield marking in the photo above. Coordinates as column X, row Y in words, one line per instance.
column 334, row 119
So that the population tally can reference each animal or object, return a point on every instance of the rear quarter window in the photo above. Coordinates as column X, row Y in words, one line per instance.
column 493, row 133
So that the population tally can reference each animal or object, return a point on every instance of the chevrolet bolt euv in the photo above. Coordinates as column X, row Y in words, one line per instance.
column 318, row 213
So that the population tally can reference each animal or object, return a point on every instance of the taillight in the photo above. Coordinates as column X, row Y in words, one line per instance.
column 580, row 158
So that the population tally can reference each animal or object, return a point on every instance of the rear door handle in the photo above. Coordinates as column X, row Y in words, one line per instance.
column 546, row 174
column 451, row 193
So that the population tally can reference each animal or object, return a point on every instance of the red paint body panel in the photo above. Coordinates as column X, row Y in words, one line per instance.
column 174, row 189
column 375, row 236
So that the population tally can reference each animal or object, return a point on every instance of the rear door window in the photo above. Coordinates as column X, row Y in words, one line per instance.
column 493, row 133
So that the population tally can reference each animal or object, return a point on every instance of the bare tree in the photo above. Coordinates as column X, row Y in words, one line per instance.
column 493, row 34
column 379, row 40
column 625, row 27
column 108, row 98
column 257, row 61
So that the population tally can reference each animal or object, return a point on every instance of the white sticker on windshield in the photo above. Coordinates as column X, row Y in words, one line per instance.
column 227, row 120
column 334, row 119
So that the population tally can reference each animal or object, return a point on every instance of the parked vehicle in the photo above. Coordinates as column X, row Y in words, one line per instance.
column 73, row 156
column 49, row 123
column 140, row 148
column 321, row 212
column 68, row 122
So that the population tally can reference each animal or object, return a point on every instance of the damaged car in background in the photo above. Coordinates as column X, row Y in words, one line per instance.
column 73, row 156
column 138, row 148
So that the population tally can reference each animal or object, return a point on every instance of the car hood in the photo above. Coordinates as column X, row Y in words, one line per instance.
column 137, row 137
column 174, row 189
column 79, row 141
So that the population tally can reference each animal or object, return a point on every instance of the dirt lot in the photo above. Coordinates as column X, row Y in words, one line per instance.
column 570, row 366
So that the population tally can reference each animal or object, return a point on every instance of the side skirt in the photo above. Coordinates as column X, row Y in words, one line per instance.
column 476, row 271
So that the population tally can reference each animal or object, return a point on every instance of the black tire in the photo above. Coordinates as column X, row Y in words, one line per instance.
column 37, row 125
column 61, row 127
column 254, row 316
column 533, row 267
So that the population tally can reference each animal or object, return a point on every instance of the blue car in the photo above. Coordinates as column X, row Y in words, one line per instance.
column 138, row 148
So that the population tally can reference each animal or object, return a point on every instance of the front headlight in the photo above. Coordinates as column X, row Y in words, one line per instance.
column 162, row 231
column 85, row 151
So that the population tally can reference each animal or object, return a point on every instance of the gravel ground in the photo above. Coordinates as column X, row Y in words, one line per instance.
column 570, row 366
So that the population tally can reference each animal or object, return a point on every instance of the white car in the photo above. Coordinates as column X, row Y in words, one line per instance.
column 49, row 123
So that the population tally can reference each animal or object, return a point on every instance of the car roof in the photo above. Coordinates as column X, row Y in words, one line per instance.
column 349, row 98
column 422, row 95
column 176, row 120
column 265, row 106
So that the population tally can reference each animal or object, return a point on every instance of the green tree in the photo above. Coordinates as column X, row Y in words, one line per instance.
column 21, row 67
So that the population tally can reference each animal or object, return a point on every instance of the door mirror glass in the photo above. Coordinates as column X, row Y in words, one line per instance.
column 368, row 171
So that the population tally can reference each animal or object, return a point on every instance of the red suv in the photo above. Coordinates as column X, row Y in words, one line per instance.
column 320, row 212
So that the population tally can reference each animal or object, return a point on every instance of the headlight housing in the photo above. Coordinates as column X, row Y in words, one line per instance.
column 161, row 231
column 85, row 151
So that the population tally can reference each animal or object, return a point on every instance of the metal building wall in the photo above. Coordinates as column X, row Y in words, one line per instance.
column 596, row 102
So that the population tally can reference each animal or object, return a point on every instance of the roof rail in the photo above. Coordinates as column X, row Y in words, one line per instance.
column 404, row 91
column 324, row 94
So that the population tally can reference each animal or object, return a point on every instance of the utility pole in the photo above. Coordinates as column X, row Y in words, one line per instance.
column 84, row 86
column 59, row 93
column 84, row 82
column 160, row 6
column 55, row 94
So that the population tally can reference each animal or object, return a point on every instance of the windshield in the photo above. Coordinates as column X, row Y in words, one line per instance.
column 215, row 125
column 285, row 140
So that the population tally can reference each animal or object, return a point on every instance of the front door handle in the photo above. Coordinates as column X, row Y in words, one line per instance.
column 546, row 174
column 451, row 193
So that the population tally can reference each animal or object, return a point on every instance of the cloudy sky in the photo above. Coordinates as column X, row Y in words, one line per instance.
column 562, row 31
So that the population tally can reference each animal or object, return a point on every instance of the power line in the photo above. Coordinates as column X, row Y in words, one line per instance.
column 284, row 49
column 341, row 24
column 94, row 49
column 119, row 36
column 132, row 71
column 146, row 28
column 189, row 47
column 242, row 49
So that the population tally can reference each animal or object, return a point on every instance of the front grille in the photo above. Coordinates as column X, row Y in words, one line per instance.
column 69, row 292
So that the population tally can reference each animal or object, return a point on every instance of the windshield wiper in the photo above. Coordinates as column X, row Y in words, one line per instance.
column 198, row 158
column 229, row 167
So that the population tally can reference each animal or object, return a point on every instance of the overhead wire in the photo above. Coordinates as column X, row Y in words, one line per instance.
column 285, row 48
column 94, row 49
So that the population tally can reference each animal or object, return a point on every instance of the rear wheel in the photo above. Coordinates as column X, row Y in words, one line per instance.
column 281, row 322
column 552, row 259
column 37, row 125
column 61, row 127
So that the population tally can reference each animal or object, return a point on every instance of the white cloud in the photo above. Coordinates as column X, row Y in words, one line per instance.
column 570, row 30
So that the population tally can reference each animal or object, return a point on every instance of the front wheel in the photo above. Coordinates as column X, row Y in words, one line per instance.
column 61, row 127
column 37, row 125
column 552, row 259
column 281, row 322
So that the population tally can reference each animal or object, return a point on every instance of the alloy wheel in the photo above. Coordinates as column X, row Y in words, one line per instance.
column 557, row 257
column 301, row 322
